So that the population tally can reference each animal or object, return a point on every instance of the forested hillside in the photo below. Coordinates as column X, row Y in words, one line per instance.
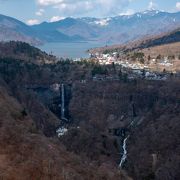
column 106, row 113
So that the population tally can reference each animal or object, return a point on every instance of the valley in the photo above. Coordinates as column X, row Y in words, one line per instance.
column 108, row 128
column 89, row 98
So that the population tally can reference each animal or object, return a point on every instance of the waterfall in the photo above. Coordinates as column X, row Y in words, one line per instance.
column 63, row 103
column 124, row 156
column 61, row 131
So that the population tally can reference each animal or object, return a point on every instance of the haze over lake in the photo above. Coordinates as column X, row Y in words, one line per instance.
column 70, row 50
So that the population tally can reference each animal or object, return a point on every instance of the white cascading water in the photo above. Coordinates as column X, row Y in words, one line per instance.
column 124, row 156
column 62, row 101
column 61, row 131
column 63, row 104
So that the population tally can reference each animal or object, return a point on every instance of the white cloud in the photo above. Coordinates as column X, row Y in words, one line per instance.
column 32, row 22
column 56, row 18
column 127, row 13
column 178, row 6
column 40, row 12
column 152, row 5
column 49, row 2
column 86, row 7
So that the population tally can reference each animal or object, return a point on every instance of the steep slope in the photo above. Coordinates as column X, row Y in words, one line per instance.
column 26, row 154
column 12, row 29
column 165, row 38
column 102, row 114
column 154, row 144
column 29, row 144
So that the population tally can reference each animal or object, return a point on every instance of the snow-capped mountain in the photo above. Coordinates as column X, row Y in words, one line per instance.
column 118, row 29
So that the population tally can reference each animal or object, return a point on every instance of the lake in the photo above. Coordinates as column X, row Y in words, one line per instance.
column 70, row 50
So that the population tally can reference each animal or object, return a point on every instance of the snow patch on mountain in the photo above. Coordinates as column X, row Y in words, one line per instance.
column 103, row 22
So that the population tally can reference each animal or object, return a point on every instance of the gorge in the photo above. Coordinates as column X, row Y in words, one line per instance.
column 116, row 122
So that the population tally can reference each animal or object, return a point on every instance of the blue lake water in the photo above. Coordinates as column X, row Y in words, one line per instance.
column 70, row 50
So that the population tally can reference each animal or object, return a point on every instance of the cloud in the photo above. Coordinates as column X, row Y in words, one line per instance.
column 127, row 13
column 86, row 7
column 49, row 2
column 152, row 5
column 56, row 18
column 40, row 12
column 178, row 6
column 32, row 22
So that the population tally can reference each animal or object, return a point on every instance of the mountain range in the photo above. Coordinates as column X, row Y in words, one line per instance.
column 171, row 37
column 111, row 30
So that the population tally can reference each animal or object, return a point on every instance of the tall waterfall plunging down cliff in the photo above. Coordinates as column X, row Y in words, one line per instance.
column 63, row 104
column 124, row 156
column 61, row 131
column 62, row 101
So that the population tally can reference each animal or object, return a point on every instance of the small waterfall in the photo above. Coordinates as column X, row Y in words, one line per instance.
column 124, row 156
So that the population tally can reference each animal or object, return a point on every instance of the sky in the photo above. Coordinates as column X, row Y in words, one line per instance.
column 36, row 11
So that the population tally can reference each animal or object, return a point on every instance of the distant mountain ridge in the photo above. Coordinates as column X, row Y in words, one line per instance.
column 166, row 38
column 170, row 37
column 13, row 29
column 111, row 30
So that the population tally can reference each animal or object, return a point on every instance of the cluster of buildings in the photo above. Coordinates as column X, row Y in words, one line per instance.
column 106, row 59
column 134, row 69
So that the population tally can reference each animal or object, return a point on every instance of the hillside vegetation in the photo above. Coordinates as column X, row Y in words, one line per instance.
column 101, row 114
column 25, row 52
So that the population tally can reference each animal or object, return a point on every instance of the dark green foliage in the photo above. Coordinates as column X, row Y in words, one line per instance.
column 138, row 55
column 150, row 176
column 24, row 48
column 116, row 144
column 159, row 57
column 125, row 78
column 171, row 57
column 142, row 60
column 24, row 113
column 99, row 70
column 120, row 74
